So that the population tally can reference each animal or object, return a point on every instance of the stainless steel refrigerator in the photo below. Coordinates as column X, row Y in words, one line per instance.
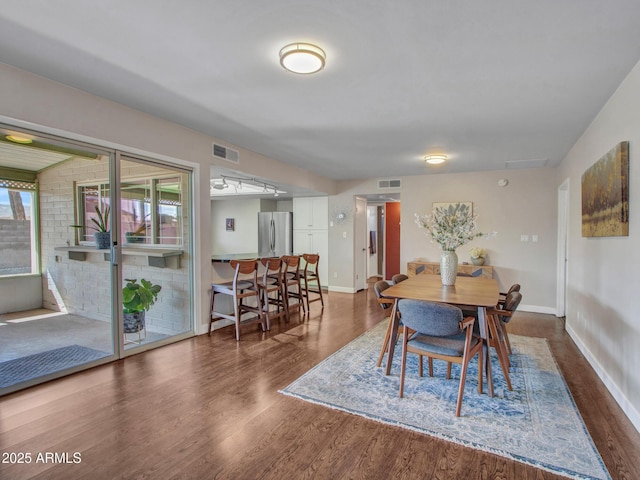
column 275, row 234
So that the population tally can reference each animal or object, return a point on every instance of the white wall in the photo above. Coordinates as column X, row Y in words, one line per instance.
column 603, row 298
column 526, row 206
column 30, row 101
column 244, row 239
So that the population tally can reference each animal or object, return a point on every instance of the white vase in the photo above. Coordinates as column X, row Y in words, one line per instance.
column 448, row 267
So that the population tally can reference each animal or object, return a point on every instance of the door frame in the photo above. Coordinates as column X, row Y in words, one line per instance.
column 562, row 249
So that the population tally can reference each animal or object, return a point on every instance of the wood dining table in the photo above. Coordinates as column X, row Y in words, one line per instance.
column 467, row 293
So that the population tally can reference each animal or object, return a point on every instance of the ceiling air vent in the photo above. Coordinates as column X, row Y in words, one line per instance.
column 226, row 153
column 386, row 184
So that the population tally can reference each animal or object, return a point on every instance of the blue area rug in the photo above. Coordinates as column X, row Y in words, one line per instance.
column 537, row 423
column 40, row 364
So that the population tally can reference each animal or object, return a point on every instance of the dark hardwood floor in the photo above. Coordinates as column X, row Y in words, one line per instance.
column 208, row 407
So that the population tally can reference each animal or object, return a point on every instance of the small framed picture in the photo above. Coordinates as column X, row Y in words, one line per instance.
column 231, row 224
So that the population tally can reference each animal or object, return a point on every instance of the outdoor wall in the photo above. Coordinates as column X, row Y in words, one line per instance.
column 526, row 206
column 602, row 285
column 15, row 245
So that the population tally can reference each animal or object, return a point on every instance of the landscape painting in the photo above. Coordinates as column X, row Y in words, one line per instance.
column 605, row 195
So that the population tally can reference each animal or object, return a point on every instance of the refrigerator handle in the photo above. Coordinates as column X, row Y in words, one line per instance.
column 272, row 236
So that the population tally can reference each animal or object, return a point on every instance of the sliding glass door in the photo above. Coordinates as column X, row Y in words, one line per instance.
column 95, row 256
column 155, row 240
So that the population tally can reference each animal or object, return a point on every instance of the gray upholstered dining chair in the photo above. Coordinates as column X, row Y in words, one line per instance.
column 441, row 332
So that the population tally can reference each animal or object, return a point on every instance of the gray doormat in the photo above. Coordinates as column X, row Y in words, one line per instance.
column 40, row 364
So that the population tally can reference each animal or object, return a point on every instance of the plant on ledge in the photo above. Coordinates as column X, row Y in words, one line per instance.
column 102, row 236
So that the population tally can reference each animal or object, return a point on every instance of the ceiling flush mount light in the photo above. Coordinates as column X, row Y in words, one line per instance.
column 19, row 139
column 435, row 159
column 302, row 58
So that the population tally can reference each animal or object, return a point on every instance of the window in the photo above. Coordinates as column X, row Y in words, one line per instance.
column 151, row 210
column 18, row 239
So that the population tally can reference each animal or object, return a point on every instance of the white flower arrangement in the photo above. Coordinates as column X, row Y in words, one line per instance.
column 450, row 227
column 477, row 252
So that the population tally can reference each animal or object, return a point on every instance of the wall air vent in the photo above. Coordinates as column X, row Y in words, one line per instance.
column 226, row 153
column 388, row 183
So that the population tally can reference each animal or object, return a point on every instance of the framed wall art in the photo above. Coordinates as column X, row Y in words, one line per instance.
column 605, row 195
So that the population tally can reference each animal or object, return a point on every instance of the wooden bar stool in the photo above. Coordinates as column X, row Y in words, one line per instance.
column 291, row 279
column 271, row 286
column 243, row 286
column 310, row 276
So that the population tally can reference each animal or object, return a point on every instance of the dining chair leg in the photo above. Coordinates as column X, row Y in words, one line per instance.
column 480, row 370
column 403, row 365
column 385, row 343
column 420, row 370
column 500, row 349
column 503, row 328
column 213, row 294
column 463, row 377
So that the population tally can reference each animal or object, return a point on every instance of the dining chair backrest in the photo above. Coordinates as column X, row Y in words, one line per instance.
column 244, row 268
column 379, row 287
column 513, row 288
column 398, row 277
column 430, row 318
column 273, row 267
column 311, row 262
column 291, row 264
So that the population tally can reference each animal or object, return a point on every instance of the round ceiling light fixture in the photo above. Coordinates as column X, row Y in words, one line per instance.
column 435, row 159
column 19, row 139
column 302, row 58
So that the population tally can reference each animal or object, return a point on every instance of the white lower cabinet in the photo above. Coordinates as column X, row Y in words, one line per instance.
column 314, row 241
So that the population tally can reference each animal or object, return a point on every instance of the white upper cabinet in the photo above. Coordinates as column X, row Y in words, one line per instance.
column 311, row 213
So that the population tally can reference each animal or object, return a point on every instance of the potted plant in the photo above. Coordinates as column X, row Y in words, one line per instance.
column 138, row 235
column 477, row 255
column 451, row 227
column 101, row 236
column 137, row 298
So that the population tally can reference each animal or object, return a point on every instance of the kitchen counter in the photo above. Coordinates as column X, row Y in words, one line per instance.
column 226, row 258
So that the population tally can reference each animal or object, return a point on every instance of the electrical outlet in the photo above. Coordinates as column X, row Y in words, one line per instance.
column 335, row 274
column 524, row 238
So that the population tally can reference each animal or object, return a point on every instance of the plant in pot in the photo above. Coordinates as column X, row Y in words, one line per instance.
column 137, row 298
column 138, row 235
column 477, row 255
column 101, row 236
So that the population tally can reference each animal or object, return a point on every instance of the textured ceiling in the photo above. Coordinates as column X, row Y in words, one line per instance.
column 486, row 82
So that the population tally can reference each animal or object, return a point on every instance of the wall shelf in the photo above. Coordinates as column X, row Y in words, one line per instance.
column 156, row 257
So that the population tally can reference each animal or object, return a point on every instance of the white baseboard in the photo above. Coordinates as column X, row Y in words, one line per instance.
column 342, row 289
column 537, row 309
column 618, row 396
